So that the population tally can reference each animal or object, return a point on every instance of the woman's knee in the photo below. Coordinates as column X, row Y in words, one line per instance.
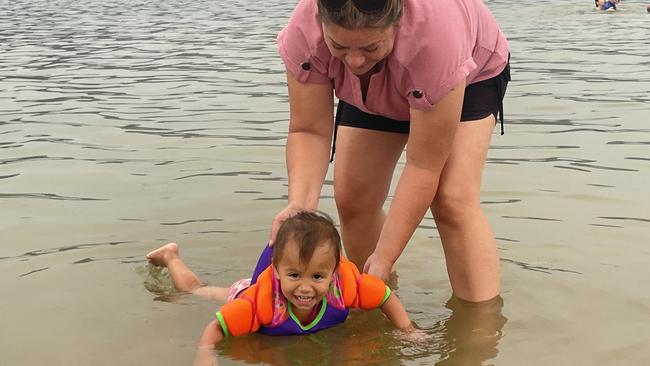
column 354, row 202
column 454, row 204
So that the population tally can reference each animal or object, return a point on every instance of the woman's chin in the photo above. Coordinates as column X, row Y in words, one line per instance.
column 360, row 72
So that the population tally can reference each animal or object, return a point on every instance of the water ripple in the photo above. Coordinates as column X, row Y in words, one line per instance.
column 49, row 196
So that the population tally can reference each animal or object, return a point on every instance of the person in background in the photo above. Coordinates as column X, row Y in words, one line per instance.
column 608, row 5
column 406, row 73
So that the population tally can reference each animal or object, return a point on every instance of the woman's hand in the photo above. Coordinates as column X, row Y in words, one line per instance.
column 378, row 267
column 279, row 219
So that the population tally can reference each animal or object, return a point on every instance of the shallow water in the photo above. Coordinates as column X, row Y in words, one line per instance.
column 128, row 124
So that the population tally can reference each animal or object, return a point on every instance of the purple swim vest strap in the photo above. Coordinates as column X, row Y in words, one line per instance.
column 263, row 263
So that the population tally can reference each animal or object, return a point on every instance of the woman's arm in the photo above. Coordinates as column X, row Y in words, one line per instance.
column 395, row 311
column 430, row 139
column 311, row 126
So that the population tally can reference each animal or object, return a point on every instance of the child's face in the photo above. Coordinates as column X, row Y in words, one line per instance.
column 305, row 284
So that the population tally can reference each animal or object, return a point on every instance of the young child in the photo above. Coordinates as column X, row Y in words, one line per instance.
column 300, row 285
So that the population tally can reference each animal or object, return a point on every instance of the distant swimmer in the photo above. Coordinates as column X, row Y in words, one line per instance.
column 608, row 5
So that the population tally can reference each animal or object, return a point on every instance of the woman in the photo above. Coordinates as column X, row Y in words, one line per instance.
column 417, row 73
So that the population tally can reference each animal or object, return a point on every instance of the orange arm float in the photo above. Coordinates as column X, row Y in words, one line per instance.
column 237, row 317
column 361, row 290
column 373, row 292
column 251, row 309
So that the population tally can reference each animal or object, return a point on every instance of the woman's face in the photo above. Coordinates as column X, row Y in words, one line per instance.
column 359, row 49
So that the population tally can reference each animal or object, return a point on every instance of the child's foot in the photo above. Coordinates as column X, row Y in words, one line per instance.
column 162, row 255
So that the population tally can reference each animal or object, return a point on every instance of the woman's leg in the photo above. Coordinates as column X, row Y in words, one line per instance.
column 467, row 238
column 365, row 161
column 183, row 278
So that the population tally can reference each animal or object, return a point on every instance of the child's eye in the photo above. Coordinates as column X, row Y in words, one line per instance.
column 293, row 275
column 318, row 277
column 371, row 49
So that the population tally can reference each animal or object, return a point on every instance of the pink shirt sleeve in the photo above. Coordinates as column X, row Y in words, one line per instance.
column 439, row 51
column 437, row 45
column 302, row 47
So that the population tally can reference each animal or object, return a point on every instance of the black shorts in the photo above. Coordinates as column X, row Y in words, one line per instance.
column 481, row 99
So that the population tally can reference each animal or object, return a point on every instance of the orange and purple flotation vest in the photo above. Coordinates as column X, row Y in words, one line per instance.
column 262, row 307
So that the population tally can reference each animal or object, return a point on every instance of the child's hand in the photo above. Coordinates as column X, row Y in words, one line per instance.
column 205, row 357
column 413, row 335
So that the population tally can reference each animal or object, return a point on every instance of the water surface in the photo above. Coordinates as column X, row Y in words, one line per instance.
column 128, row 124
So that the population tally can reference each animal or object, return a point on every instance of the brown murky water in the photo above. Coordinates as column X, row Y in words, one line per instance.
column 128, row 124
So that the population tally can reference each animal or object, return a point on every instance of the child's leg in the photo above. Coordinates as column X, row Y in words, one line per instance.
column 167, row 256
column 212, row 292
column 183, row 278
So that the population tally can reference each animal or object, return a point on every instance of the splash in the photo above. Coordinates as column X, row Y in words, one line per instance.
column 157, row 281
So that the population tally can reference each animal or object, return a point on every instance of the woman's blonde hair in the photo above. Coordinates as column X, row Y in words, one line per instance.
column 349, row 16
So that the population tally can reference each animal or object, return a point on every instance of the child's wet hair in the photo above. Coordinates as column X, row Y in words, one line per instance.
column 309, row 229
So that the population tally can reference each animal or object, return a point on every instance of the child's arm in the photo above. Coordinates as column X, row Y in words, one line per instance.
column 395, row 311
column 212, row 334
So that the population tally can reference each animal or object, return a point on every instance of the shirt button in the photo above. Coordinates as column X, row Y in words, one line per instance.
column 305, row 66
column 418, row 94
